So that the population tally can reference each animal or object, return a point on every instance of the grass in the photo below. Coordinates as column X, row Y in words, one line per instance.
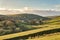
column 50, row 24
column 44, row 28
column 55, row 36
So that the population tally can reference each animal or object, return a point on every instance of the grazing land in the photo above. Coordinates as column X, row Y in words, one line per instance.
column 29, row 27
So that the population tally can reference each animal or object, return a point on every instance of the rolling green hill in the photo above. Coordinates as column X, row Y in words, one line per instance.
column 54, row 20
column 24, row 17
column 18, row 23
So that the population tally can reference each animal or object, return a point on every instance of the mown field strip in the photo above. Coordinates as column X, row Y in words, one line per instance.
column 26, row 32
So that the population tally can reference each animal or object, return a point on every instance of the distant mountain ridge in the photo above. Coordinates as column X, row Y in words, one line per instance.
column 24, row 17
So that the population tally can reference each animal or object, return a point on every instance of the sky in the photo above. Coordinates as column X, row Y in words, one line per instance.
column 31, row 4
column 35, row 4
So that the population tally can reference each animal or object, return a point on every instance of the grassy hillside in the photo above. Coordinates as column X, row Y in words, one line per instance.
column 18, row 23
column 24, row 22
column 54, row 20
column 53, row 23
column 54, row 36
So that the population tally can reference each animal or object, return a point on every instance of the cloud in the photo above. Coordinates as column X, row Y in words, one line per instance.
column 29, row 10
column 57, row 7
